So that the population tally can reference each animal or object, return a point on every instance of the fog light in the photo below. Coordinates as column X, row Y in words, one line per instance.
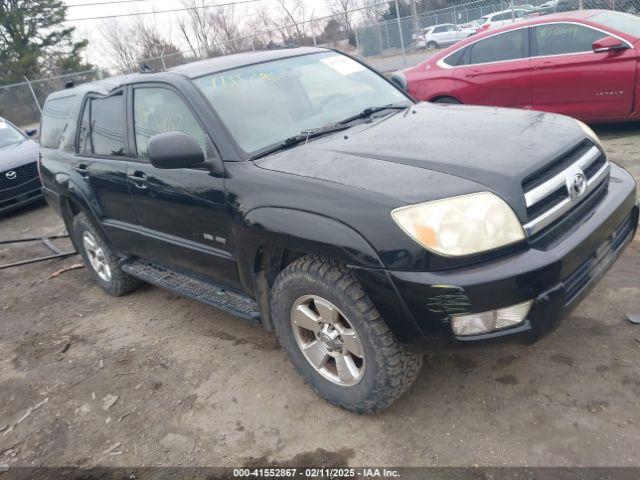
column 477, row 323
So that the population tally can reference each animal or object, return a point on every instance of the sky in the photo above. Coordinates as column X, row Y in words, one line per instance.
column 90, row 29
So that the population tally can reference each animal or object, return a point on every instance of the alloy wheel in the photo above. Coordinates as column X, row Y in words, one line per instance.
column 328, row 340
column 96, row 256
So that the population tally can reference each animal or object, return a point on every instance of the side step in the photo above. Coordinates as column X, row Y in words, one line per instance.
column 235, row 303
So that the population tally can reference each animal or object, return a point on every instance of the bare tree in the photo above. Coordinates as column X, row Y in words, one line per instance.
column 343, row 10
column 117, row 36
column 294, row 16
column 153, row 46
column 197, row 30
column 227, row 30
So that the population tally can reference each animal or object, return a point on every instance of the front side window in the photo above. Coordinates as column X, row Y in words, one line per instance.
column 158, row 110
column 9, row 135
column 54, row 121
column 102, row 129
column 562, row 38
column 266, row 103
column 498, row 48
column 439, row 29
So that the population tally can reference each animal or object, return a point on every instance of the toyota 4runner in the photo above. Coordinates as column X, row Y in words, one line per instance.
column 301, row 190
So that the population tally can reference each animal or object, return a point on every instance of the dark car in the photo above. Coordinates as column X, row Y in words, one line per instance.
column 302, row 190
column 19, row 180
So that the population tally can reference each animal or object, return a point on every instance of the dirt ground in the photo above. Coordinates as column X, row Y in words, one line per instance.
column 155, row 379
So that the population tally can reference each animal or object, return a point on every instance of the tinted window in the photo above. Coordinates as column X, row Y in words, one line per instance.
column 559, row 38
column 439, row 29
column 501, row 47
column 54, row 121
column 456, row 58
column 102, row 129
column 158, row 110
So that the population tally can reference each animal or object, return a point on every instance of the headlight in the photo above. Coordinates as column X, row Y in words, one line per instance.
column 462, row 225
column 589, row 133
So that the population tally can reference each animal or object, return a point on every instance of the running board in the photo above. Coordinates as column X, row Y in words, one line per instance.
column 231, row 302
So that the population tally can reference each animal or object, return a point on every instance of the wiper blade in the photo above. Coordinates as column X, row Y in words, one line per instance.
column 367, row 112
column 303, row 136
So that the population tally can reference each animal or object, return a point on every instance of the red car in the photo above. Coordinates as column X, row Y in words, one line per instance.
column 583, row 64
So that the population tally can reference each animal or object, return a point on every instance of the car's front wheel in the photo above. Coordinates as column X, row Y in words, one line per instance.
column 432, row 45
column 100, row 259
column 336, row 338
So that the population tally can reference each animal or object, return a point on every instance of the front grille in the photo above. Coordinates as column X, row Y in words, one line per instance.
column 598, row 262
column 554, row 191
column 20, row 176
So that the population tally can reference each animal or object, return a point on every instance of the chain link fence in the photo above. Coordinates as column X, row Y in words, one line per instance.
column 381, row 34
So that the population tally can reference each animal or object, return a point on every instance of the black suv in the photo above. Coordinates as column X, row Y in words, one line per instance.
column 302, row 190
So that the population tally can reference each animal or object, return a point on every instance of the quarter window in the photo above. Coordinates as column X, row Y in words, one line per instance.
column 54, row 121
column 102, row 129
column 159, row 110
column 561, row 38
column 498, row 48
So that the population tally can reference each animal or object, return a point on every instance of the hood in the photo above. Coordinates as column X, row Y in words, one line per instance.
column 433, row 151
column 17, row 154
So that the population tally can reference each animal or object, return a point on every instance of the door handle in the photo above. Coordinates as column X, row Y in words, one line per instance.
column 82, row 169
column 139, row 179
column 544, row 66
column 474, row 73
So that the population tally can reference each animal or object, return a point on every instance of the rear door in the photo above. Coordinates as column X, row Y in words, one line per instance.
column 568, row 77
column 102, row 162
column 183, row 214
column 495, row 71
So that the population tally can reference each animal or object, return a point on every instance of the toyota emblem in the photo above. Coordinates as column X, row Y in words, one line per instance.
column 11, row 175
column 578, row 184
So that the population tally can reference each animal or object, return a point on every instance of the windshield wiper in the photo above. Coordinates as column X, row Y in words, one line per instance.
column 303, row 136
column 367, row 112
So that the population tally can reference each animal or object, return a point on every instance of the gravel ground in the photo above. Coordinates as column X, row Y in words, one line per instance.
column 155, row 379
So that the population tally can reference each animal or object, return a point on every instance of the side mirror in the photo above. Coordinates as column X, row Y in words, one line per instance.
column 31, row 132
column 399, row 80
column 608, row 44
column 174, row 150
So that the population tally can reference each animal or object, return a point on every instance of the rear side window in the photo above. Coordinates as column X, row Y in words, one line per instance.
column 456, row 58
column 498, row 48
column 54, row 121
column 560, row 38
column 102, row 129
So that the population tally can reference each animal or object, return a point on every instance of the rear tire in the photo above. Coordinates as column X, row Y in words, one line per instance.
column 321, row 314
column 100, row 259
column 449, row 100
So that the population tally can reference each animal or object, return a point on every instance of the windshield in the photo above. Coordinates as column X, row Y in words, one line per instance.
column 264, row 104
column 623, row 22
column 8, row 134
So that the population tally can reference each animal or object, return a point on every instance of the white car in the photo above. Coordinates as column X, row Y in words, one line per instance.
column 442, row 35
column 504, row 17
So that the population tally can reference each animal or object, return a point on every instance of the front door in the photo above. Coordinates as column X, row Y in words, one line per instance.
column 569, row 78
column 102, row 161
column 182, row 212
column 495, row 71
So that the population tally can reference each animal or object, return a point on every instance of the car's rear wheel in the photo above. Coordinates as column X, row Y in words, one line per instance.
column 336, row 338
column 432, row 45
column 450, row 100
column 100, row 259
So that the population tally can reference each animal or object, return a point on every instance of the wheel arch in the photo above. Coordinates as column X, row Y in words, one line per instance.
column 275, row 237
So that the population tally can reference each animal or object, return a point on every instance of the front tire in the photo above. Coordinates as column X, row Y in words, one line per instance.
column 100, row 259
column 432, row 45
column 448, row 100
column 336, row 339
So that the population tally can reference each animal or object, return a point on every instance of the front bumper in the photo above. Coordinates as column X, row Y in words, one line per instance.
column 20, row 196
column 555, row 273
